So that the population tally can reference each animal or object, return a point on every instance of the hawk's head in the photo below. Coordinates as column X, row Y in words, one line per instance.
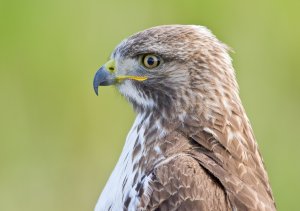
column 171, row 69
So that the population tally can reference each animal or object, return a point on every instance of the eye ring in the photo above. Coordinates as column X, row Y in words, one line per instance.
column 150, row 61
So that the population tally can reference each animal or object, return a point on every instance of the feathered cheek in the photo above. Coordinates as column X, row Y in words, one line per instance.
column 134, row 94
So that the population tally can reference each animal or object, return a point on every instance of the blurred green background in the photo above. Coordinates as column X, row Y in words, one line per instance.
column 59, row 142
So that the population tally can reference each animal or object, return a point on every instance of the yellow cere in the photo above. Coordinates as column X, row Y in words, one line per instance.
column 110, row 66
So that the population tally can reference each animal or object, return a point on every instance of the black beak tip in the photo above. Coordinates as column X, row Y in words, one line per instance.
column 96, row 84
column 96, row 90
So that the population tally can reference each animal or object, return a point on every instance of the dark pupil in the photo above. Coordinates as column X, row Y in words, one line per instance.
column 150, row 61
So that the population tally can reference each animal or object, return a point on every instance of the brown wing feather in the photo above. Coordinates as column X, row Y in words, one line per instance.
column 212, row 174
column 182, row 184
column 227, row 149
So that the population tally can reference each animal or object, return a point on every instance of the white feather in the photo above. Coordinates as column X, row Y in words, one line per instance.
column 112, row 195
column 131, row 92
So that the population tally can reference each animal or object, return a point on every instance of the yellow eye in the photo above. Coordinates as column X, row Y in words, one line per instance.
column 150, row 61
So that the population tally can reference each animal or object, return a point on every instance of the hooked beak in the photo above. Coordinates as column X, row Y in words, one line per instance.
column 106, row 76
column 103, row 78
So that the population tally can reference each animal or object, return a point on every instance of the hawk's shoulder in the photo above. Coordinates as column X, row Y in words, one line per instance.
column 180, row 183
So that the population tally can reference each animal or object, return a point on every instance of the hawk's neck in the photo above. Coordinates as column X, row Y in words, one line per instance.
column 142, row 151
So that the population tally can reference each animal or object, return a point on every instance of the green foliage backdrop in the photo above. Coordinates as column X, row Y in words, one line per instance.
column 59, row 142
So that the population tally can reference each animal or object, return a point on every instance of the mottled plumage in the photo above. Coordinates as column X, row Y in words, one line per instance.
column 191, row 146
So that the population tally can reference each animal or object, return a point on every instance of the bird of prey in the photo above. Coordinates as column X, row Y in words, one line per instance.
column 191, row 146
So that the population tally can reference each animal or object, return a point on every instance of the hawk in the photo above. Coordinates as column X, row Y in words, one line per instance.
column 191, row 146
